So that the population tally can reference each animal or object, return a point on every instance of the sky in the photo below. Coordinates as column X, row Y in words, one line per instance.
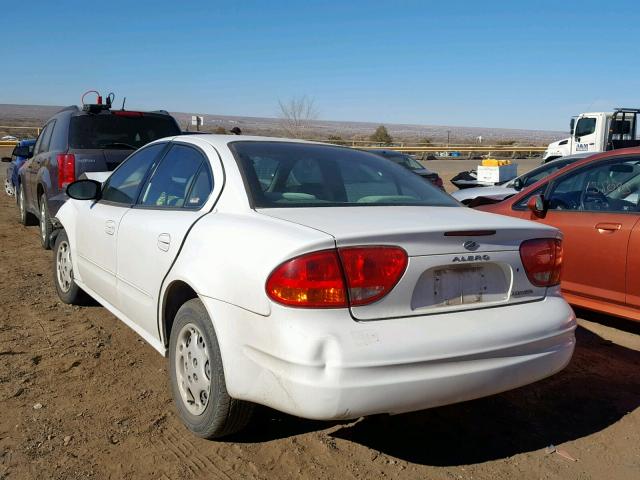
column 504, row 64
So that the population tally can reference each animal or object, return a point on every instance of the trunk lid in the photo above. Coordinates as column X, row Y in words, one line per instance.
column 459, row 259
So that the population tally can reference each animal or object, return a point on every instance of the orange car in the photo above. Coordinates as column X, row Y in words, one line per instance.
column 596, row 204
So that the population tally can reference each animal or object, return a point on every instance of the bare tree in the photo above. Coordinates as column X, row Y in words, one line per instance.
column 297, row 114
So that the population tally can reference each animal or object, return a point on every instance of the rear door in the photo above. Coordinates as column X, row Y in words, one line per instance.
column 633, row 268
column 151, row 234
column 39, row 159
column 596, row 207
column 99, row 222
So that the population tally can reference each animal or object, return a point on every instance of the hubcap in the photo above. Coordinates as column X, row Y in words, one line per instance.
column 64, row 268
column 193, row 370
column 43, row 222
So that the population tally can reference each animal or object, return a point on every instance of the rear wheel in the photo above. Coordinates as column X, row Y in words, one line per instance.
column 24, row 217
column 197, row 378
column 67, row 289
column 45, row 224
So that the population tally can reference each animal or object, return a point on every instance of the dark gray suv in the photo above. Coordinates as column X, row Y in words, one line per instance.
column 76, row 141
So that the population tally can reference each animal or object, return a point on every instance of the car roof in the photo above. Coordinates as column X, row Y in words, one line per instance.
column 217, row 140
column 603, row 156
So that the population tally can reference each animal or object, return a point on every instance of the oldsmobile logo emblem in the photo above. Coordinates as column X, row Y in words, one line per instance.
column 471, row 245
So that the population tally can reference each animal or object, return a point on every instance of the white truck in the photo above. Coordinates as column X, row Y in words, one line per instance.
column 597, row 132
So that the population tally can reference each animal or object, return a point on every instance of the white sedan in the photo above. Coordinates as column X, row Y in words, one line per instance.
column 319, row 280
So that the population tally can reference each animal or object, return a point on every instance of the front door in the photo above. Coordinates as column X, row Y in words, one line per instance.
column 585, row 135
column 97, row 238
column 597, row 208
column 152, row 233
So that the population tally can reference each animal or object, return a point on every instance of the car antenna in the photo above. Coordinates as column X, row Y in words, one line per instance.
column 123, row 101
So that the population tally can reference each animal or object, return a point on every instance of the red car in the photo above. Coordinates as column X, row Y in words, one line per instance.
column 596, row 204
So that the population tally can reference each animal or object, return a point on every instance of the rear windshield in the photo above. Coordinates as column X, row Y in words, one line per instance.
column 406, row 162
column 119, row 132
column 280, row 174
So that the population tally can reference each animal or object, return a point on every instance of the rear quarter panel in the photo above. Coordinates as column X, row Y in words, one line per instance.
column 228, row 256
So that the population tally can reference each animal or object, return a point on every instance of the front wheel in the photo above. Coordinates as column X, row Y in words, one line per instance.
column 67, row 289
column 197, row 378
column 45, row 224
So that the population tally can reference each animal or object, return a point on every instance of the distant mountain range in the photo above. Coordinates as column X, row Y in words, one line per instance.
column 34, row 115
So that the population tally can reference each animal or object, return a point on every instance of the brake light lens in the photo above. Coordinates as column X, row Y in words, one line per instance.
column 372, row 272
column 314, row 280
column 337, row 278
column 126, row 113
column 66, row 169
column 542, row 260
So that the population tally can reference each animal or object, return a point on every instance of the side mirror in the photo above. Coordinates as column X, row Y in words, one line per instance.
column 84, row 190
column 6, row 159
column 517, row 184
column 572, row 125
column 536, row 205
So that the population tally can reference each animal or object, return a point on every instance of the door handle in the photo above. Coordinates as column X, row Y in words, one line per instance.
column 608, row 228
column 164, row 241
column 110, row 227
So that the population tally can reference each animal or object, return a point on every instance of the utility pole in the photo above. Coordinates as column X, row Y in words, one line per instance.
column 448, row 137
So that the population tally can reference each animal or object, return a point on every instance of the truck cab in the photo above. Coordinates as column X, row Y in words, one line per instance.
column 598, row 132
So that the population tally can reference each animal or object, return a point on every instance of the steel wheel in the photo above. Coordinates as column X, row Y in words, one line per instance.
column 193, row 369
column 64, row 267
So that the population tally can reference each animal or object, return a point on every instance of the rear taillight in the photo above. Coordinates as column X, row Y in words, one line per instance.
column 314, row 280
column 542, row 260
column 66, row 169
column 317, row 280
column 372, row 272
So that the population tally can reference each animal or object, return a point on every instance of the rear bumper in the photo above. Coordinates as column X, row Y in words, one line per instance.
column 324, row 365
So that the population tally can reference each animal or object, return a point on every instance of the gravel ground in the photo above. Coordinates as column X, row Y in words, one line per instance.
column 83, row 397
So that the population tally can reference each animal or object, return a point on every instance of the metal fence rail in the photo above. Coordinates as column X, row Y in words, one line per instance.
column 398, row 146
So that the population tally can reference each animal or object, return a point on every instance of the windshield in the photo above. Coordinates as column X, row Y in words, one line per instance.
column 119, row 132
column 406, row 162
column 544, row 171
column 282, row 174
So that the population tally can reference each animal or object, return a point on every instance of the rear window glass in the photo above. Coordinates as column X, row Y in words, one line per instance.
column 118, row 132
column 280, row 174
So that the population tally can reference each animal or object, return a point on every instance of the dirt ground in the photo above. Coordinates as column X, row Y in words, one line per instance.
column 81, row 396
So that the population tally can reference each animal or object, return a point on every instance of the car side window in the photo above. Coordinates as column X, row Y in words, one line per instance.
column 522, row 204
column 201, row 189
column 38, row 147
column 609, row 187
column 123, row 186
column 175, row 177
column 46, row 136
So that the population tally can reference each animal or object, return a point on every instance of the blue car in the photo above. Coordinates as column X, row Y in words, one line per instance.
column 20, row 154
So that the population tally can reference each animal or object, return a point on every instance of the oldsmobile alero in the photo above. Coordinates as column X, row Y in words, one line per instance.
column 319, row 280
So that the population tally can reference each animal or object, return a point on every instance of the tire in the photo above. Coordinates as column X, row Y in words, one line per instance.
column 193, row 351
column 45, row 224
column 24, row 217
column 67, row 289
